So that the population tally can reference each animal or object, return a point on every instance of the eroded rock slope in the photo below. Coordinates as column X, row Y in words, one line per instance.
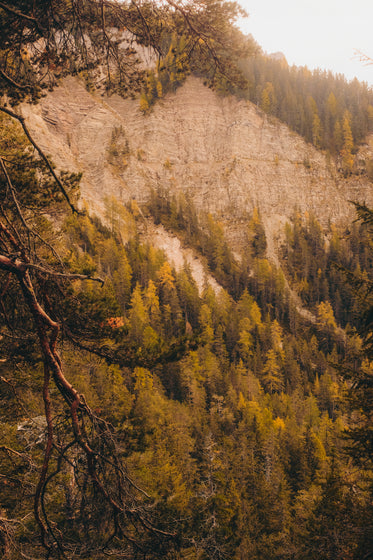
column 227, row 154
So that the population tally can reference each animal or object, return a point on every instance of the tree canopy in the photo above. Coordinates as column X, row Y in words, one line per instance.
column 142, row 417
column 40, row 43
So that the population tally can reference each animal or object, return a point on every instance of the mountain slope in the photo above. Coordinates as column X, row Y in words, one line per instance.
column 224, row 152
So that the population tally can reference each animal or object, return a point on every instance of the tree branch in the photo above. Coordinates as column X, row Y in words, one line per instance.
column 66, row 275
column 18, row 13
column 12, row 190
column 21, row 120
column 47, row 455
column 11, row 81
column 364, row 58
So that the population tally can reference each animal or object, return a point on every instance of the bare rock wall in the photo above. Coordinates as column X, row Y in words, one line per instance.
column 224, row 152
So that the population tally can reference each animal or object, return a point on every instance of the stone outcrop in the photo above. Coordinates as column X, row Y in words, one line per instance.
column 227, row 154
column 179, row 256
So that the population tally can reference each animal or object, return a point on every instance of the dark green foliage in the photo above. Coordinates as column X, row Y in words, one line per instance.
column 337, row 501
column 357, row 369
column 318, row 261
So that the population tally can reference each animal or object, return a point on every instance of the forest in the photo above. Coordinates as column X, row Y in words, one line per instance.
column 142, row 417
column 333, row 114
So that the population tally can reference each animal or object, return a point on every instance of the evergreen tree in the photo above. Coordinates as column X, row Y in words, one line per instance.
column 348, row 143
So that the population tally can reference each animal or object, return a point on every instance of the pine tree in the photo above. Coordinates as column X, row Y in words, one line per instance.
column 348, row 144
column 272, row 377
column 144, row 103
column 316, row 130
column 268, row 99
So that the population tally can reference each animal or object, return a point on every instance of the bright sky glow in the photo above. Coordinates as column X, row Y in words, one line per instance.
column 315, row 33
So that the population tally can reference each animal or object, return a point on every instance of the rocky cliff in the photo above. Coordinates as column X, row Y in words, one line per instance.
column 228, row 155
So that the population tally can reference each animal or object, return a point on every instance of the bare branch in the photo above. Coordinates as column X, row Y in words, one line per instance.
column 11, row 81
column 64, row 274
column 18, row 248
column 47, row 455
column 21, row 120
column 18, row 13
column 146, row 26
column 10, row 451
column 13, row 192
column 364, row 58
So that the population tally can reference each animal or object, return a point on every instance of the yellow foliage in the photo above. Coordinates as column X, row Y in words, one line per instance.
column 159, row 89
column 242, row 403
column 325, row 316
column 134, row 207
column 254, row 408
column 255, row 220
column 143, row 379
column 279, row 424
column 246, row 339
column 144, row 104
column 151, row 299
column 348, row 144
column 165, row 276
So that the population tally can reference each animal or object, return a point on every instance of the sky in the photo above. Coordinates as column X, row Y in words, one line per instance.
column 315, row 33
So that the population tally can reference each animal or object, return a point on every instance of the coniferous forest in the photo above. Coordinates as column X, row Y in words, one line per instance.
column 141, row 416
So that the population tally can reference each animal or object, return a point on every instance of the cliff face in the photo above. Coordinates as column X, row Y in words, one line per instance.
column 225, row 153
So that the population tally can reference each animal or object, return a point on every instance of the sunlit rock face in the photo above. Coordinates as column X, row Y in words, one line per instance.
column 225, row 153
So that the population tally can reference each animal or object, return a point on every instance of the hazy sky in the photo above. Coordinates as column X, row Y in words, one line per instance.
column 315, row 33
